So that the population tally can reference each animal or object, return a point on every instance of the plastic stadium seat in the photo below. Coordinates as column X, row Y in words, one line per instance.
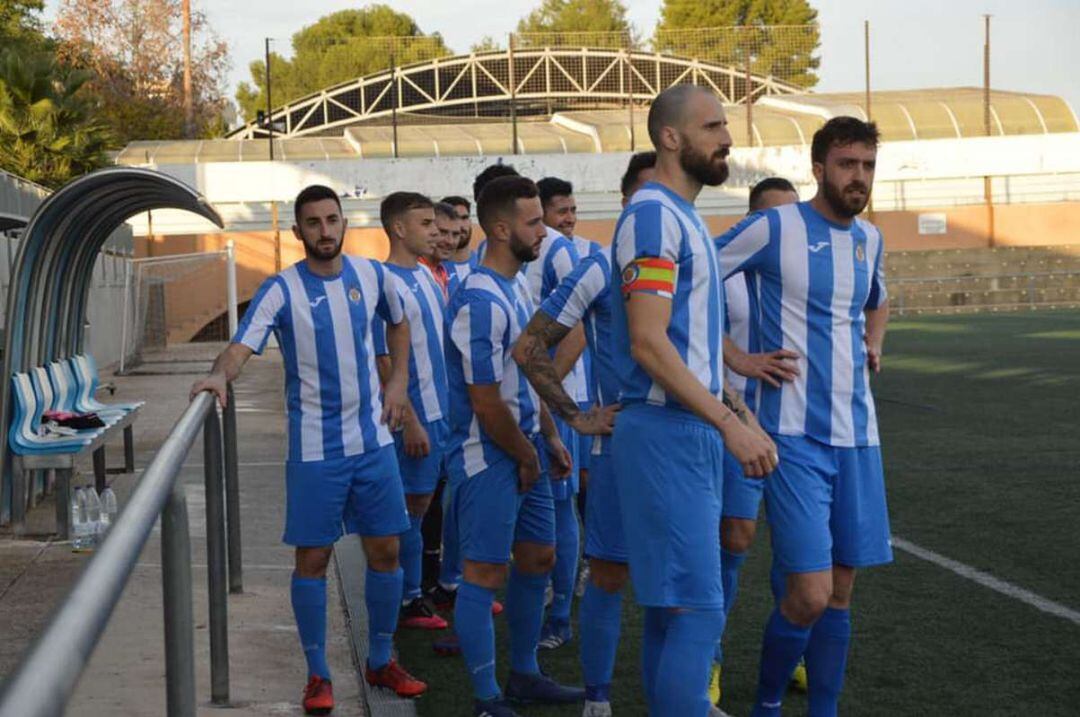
column 23, row 434
column 86, row 375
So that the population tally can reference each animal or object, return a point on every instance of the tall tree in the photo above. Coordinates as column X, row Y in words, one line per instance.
column 134, row 50
column 779, row 37
column 556, row 16
column 49, row 132
column 20, row 24
column 337, row 48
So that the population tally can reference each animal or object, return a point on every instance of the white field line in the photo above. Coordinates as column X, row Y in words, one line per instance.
column 988, row 581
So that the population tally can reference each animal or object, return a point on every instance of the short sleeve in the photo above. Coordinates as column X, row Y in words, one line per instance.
column 389, row 306
column 575, row 294
column 878, row 293
column 745, row 245
column 378, row 336
column 561, row 261
column 263, row 315
column 647, row 250
column 478, row 332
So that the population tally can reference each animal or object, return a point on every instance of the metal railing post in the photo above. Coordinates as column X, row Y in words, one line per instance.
column 216, row 565
column 179, row 620
column 232, row 494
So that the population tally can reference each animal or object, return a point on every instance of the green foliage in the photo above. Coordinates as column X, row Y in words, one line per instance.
column 337, row 48
column 778, row 37
column 576, row 16
column 48, row 131
column 20, row 25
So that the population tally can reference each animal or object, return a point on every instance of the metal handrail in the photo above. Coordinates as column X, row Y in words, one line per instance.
column 46, row 676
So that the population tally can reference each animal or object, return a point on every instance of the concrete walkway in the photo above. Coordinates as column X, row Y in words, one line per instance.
column 127, row 672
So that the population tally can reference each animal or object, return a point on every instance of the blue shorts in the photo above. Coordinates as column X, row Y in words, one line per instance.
column 491, row 515
column 826, row 505
column 742, row 495
column 669, row 467
column 564, row 489
column 362, row 492
column 604, row 535
column 421, row 475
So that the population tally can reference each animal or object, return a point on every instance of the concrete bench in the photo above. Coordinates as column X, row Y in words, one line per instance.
column 66, row 386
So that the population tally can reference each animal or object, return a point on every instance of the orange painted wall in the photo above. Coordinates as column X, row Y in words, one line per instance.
column 194, row 302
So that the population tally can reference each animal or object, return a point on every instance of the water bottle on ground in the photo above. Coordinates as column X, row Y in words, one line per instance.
column 80, row 528
column 109, row 509
column 93, row 516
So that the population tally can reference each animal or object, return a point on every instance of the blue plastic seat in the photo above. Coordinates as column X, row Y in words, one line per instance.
column 23, row 435
column 64, row 387
column 46, row 397
column 86, row 376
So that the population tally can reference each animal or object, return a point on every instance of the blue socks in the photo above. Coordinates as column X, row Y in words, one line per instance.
column 525, row 618
column 826, row 658
column 412, row 557
column 476, row 630
column 382, row 594
column 450, row 568
column 309, row 607
column 784, row 643
column 656, row 621
column 681, row 684
column 599, row 620
column 566, row 561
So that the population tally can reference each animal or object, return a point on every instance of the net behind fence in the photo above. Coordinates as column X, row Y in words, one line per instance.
column 173, row 299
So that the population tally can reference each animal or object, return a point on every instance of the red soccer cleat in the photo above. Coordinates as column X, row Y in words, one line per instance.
column 393, row 676
column 496, row 607
column 418, row 614
column 318, row 696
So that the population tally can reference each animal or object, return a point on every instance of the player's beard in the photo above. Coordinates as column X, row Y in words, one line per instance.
column 523, row 251
column 840, row 201
column 709, row 170
column 466, row 237
column 312, row 251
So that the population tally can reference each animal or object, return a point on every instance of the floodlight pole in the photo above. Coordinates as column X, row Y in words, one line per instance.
column 269, row 105
column 394, row 100
column 869, row 112
column 988, row 187
column 513, row 93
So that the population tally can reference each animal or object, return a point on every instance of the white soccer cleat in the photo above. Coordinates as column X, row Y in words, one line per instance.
column 597, row 709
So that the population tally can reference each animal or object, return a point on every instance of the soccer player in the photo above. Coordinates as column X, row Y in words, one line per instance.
column 410, row 221
column 667, row 317
column 341, row 465
column 557, row 257
column 502, row 441
column 492, row 171
column 641, row 169
column 446, row 223
column 463, row 254
column 826, row 502
column 744, row 366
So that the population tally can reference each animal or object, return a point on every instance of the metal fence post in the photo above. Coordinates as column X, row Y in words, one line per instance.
column 179, row 620
column 216, row 566
column 232, row 494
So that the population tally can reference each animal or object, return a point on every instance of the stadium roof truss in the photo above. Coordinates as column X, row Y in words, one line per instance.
column 483, row 85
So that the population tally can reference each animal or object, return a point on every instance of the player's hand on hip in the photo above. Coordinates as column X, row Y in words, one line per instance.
column 216, row 384
column 395, row 405
column 755, row 451
column 597, row 421
column 528, row 472
column 773, row 367
column 417, row 442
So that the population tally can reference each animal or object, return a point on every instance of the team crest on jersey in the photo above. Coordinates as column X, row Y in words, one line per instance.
column 630, row 274
column 860, row 253
column 354, row 295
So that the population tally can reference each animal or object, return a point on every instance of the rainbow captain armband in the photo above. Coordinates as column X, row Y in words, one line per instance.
column 650, row 275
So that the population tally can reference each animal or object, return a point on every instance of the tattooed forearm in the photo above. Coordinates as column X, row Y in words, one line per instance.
column 531, row 353
column 737, row 406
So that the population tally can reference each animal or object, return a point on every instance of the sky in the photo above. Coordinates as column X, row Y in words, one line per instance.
column 914, row 43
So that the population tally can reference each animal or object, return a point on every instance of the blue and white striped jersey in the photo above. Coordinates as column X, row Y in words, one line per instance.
column 586, row 248
column 815, row 279
column 556, row 259
column 662, row 246
column 742, row 324
column 324, row 328
column 485, row 317
column 584, row 295
column 458, row 270
column 422, row 300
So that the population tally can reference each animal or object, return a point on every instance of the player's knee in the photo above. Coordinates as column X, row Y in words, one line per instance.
column 487, row 575
column 805, row 604
column 382, row 553
column 609, row 577
column 312, row 562
column 737, row 534
column 417, row 504
column 535, row 559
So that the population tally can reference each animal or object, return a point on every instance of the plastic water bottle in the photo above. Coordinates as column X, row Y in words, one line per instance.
column 80, row 527
column 109, row 509
column 93, row 516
